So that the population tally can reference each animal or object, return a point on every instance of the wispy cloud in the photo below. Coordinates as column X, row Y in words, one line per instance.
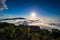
column 3, row 5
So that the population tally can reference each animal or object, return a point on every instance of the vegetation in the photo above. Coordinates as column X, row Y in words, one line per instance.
column 11, row 32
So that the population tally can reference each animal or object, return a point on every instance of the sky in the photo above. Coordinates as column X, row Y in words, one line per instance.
column 23, row 8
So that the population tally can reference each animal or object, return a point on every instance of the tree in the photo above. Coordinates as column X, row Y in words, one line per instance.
column 35, row 36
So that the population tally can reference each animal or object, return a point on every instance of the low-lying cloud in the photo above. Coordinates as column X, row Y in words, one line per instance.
column 42, row 22
column 3, row 5
column 47, row 23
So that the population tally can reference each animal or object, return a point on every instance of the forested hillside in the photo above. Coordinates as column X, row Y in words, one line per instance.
column 11, row 32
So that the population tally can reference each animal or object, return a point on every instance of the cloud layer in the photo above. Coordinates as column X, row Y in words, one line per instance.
column 3, row 5
column 47, row 23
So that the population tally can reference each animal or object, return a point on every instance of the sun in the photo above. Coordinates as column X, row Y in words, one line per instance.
column 33, row 14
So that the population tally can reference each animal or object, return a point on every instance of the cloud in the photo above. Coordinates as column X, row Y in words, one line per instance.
column 3, row 5
column 47, row 23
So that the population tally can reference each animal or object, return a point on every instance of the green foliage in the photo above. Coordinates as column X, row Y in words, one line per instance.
column 11, row 32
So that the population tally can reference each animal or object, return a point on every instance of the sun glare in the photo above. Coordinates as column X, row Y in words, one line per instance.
column 33, row 14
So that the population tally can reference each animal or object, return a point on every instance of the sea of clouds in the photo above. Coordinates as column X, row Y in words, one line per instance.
column 47, row 23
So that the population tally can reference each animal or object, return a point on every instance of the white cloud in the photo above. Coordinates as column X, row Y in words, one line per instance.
column 3, row 5
column 48, row 23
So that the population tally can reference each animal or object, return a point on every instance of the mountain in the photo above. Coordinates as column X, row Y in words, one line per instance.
column 13, row 18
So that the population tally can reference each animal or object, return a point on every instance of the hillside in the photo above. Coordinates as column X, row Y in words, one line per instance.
column 11, row 32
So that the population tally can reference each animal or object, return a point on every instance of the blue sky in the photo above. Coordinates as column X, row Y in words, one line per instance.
column 46, row 8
